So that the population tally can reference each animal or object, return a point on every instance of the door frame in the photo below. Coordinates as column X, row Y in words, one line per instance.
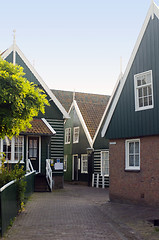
column 39, row 150
column 74, row 155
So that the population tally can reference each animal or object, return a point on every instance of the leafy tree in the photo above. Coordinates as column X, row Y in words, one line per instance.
column 20, row 100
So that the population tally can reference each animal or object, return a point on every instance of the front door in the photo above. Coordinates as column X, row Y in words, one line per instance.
column 33, row 152
column 75, row 159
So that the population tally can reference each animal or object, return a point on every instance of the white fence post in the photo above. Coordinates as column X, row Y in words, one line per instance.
column 102, row 181
column 93, row 180
column 97, row 183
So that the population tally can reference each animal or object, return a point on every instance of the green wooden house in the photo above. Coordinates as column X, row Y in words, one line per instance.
column 85, row 151
column 46, row 138
column 132, row 121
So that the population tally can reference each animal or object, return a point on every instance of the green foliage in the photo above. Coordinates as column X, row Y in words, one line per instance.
column 7, row 174
column 20, row 100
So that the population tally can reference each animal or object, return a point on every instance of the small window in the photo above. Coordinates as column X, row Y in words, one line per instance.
column 132, row 154
column 84, row 163
column 18, row 148
column 65, row 163
column 13, row 150
column 76, row 135
column 143, row 91
column 67, row 135
column 105, row 163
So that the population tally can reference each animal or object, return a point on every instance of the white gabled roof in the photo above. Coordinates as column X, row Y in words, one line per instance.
column 15, row 48
column 114, row 99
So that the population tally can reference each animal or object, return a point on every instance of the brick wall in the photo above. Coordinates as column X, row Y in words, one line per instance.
column 140, row 186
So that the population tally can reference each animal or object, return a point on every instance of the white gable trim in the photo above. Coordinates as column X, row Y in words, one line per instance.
column 83, row 123
column 152, row 10
column 14, row 47
column 49, row 126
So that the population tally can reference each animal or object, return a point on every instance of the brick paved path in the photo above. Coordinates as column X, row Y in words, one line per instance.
column 71, row 213
column 81, row 213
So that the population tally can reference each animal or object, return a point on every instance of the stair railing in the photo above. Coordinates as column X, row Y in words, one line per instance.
column 29, row 166
column 49, row 173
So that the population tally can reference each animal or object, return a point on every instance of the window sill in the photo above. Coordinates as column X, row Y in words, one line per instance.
column 12, row 162
column 132, row 170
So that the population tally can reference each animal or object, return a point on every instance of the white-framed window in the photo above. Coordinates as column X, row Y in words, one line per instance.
column 104, row 163
column 75, row 134
column 132, row 154
column 67, row 135
column 65, row 163
column 143, row 85
column 13, row 149
column 84, row 163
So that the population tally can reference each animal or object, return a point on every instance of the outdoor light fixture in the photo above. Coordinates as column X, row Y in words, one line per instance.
column 90, row 150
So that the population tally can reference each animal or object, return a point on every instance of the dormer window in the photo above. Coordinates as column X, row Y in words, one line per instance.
column 143, row 91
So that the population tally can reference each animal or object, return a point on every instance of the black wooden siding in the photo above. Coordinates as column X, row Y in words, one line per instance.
column 126, row 122
column 57, row 141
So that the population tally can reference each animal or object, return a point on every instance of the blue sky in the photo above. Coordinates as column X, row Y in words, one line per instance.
column 74, row 44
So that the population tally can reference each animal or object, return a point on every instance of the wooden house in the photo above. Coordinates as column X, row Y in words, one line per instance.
column 85, row 152
column 46, row 138
column 132, row 121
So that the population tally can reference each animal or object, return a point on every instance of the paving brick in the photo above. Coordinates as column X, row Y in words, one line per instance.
column 76, row 213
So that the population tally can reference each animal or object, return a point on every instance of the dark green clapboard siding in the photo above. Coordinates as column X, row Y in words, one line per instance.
column 57, row 141
column 126, row 122
column 10, row 57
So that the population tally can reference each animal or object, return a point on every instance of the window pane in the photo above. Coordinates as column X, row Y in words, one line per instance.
column 140, row 92
column 136, row 147
column 145, row 101
column 140, row 102
column 149, row 90
column 131, row 160
column 139, row 82
column 143, row 80
column 131, row 147
column 150, row 100
column 137, row 160
column 145, row 91
column 148, row 78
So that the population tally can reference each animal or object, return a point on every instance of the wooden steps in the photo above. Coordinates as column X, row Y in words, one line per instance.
column 41, row 184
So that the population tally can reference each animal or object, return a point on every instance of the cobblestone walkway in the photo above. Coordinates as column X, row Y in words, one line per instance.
column 73, row 213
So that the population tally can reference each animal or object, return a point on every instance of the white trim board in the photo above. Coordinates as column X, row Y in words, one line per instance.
column 15, row 48
column 49, row 126
column 83, row 123
column 153, row 9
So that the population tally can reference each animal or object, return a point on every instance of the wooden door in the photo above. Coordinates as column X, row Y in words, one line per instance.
column 33, row 152
column 75, row 158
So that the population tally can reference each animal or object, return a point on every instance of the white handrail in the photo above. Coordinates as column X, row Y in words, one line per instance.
column 49, row 173
column 29, row 166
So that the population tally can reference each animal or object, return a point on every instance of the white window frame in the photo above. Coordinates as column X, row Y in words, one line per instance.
column 127, row 154
column 83, row 160
column 142, row 86
column 12, row 160
column 65, row 163
column 106, row 163
column 67, row 135
column 75, row 134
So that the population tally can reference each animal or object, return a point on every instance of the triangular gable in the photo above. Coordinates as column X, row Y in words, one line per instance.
column 81, row 119
column 14, row 48
column 119, row 87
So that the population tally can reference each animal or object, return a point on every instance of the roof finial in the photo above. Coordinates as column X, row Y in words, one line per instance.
column 120, row 65
column 14, row 43
column 14, row 31
column 152, row 6
column 74, row 95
